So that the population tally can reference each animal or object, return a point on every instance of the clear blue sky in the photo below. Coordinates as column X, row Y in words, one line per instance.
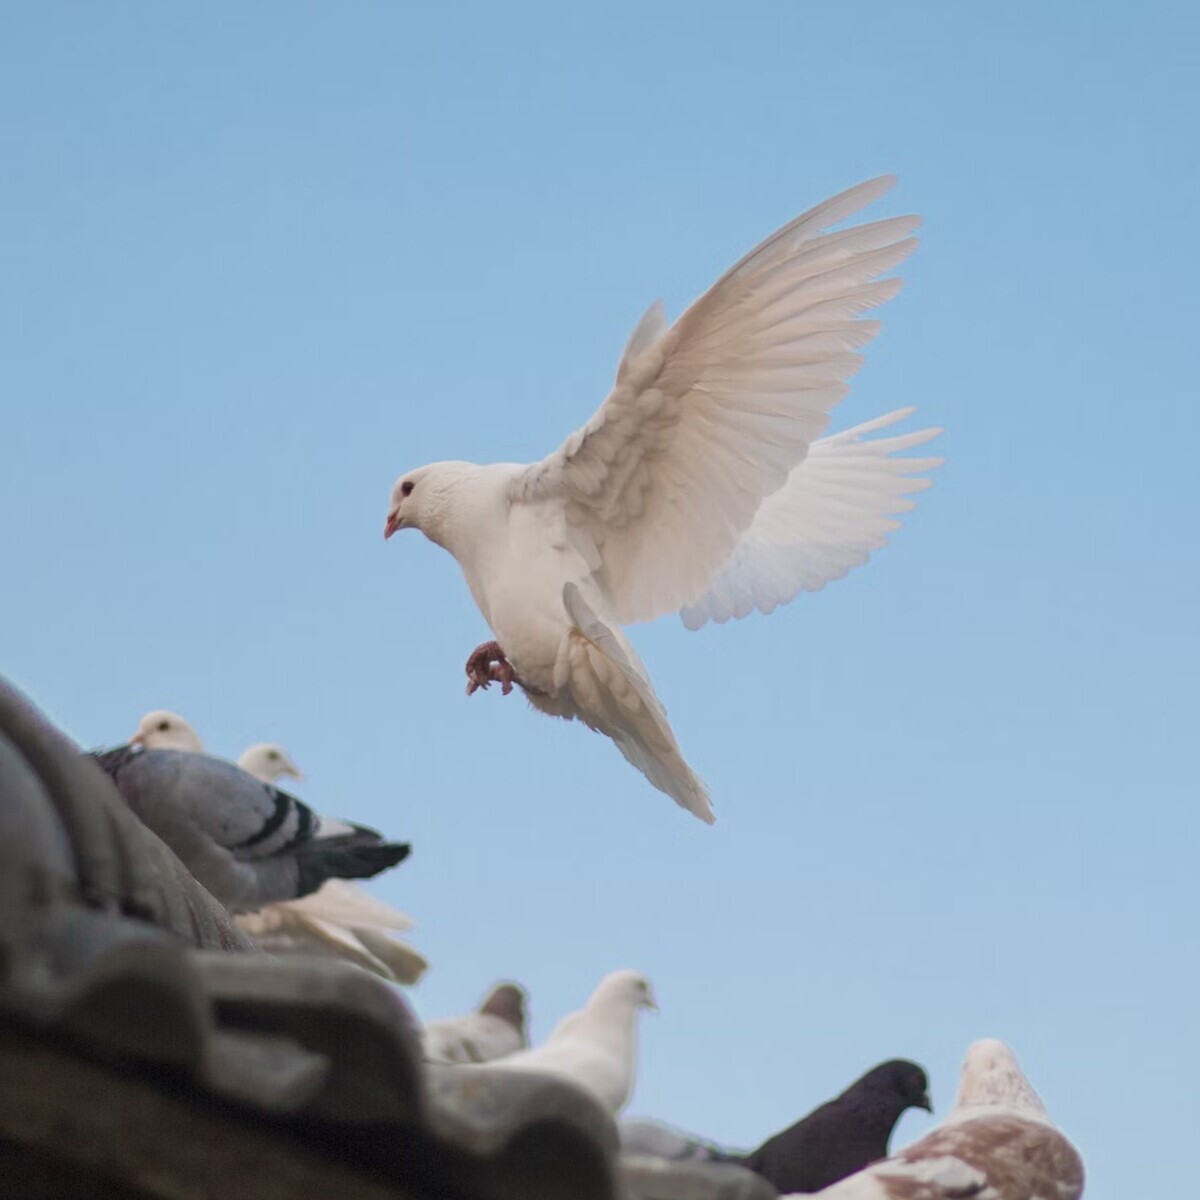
column 255, row 260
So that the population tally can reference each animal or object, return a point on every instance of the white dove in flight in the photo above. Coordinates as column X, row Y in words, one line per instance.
column 701, row 485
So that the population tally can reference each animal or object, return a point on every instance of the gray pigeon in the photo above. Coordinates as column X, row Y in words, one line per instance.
column 246, row 841
column 495, row 1029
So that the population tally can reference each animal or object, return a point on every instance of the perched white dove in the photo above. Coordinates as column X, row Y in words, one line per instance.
column 595, row 1047
column 699, row 487
column 165, row 730
column 340, row 918
column 268, row 761
column 997, row 1144
column 494, row 1029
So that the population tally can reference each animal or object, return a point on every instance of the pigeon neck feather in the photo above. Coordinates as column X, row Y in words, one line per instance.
column 992, row 1083
column 604, row 1019
column 454, row 501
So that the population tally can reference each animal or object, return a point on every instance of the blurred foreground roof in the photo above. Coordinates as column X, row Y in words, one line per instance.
column 148, row 1049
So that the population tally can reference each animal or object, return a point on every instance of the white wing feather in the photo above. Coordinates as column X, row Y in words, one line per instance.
column 347, row 904
column 942, row 1178
column 345, row 921
column 835, row 509
column 604, row 1070
column 708, row 417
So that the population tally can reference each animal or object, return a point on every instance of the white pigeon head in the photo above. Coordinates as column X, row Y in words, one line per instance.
column 991, row 1078
column 623, row 989
column 268, row 761
column 165, row 730
column 421, row 498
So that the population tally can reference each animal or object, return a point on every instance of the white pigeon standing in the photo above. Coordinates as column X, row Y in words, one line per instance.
column 494, row 1029
column 699, row 487
column 340, row 918
column 998, row 1143
column 595, row 1047
column 166, row 730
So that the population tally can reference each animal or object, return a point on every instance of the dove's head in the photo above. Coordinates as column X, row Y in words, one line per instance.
column 422, row 498
column 506, row 1001
column 623, row 989
column 991, row 1079
column 163, row 730
column 268, row 761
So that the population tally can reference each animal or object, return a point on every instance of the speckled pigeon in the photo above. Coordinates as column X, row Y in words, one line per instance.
column 997, row 1143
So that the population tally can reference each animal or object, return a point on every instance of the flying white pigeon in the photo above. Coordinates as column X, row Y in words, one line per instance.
column 596, row 1047
column 268, row 761
column 997, row 1144
column 701, row 485
column 494, row 1029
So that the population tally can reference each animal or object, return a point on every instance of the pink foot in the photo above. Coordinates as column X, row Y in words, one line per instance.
column 488, row 665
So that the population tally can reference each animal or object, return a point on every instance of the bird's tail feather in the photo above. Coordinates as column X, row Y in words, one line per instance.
column 614, row 697
column 320, row 861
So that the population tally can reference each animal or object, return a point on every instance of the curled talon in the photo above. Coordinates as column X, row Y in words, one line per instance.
column 488, row 665
column 502, row 672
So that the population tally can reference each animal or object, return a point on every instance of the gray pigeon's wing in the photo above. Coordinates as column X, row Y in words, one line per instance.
column 249, row 843
column 662, row 1141
column 249, row 818
column 474, row 1038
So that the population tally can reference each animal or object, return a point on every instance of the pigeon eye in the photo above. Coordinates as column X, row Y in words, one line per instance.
column 406, row 487
column 164, row 726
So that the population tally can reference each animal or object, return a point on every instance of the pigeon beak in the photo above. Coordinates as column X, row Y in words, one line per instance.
column 294, row 772
column 925, row 1102
column 393, row 523
column 138, row 739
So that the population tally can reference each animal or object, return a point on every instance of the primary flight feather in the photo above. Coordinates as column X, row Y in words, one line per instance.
column 701, row 486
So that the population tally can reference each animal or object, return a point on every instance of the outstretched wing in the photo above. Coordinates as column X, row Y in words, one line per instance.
column 836, row 508
column 708, row 417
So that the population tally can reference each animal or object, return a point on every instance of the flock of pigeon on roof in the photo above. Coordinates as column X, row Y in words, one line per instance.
column 702, row 486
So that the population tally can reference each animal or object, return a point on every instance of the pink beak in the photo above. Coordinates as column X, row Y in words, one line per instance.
column 393, row 523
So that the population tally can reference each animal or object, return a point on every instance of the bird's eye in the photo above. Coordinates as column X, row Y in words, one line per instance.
column 406, row 487
column 164, row 726
column 273, row 756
